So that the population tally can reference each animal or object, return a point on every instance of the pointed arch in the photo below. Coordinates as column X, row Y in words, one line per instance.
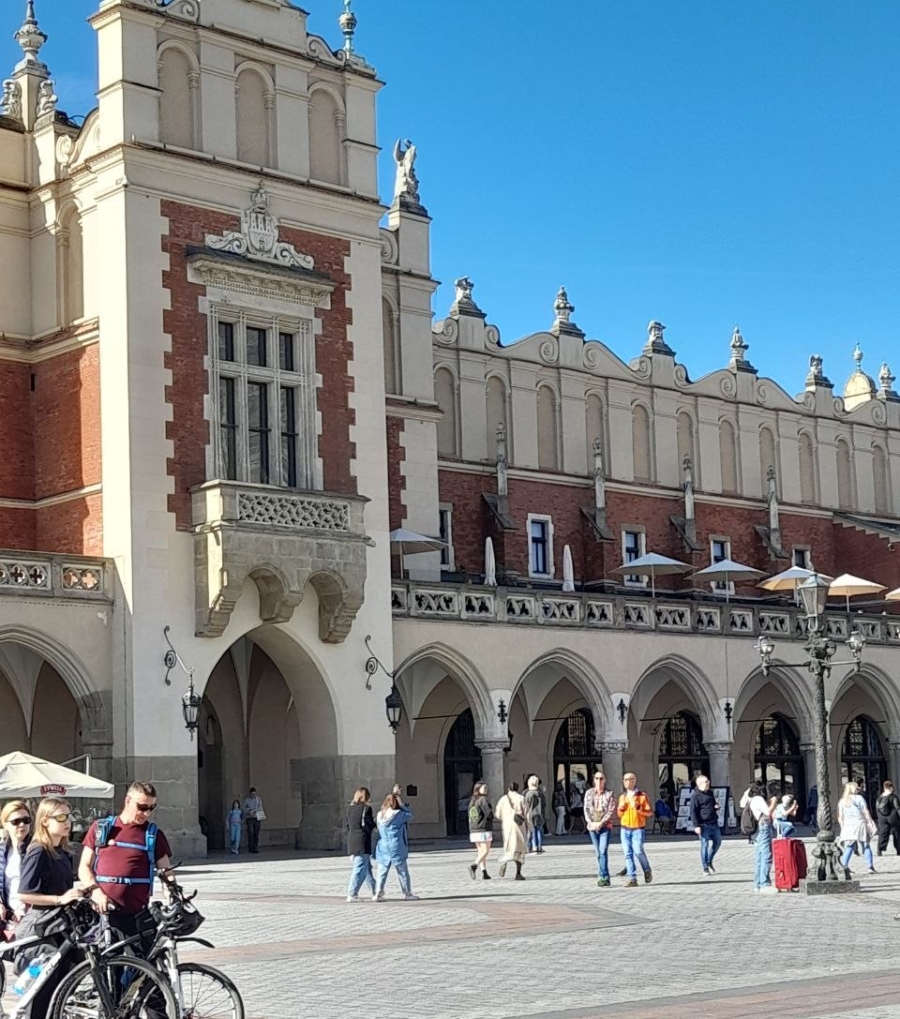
column 790, row 685
column 583, row 675
column 882, row 689
column 693, row 682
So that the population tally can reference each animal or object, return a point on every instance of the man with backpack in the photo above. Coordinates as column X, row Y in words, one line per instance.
column 887, row 811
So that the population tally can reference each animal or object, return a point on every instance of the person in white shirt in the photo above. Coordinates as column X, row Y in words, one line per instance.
column 857, row 828
column 762, row 811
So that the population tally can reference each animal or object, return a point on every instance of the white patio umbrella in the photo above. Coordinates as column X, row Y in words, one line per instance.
column 653, row 565
column 490, row 564
column 29, row 777
column 568, row 570
column 847, row 586
column 790, row 579
column 404, row 543
column 893, row 595
column 727, row 569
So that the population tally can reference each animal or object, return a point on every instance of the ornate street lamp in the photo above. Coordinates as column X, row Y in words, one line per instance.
column 824, row 875
column 393, row 707
column 191, row 701
column 393, row 703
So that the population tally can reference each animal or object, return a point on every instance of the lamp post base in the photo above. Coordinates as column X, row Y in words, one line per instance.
column 828, row 887
column 826, row 875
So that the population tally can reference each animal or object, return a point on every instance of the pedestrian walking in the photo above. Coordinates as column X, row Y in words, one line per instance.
column 560, row 808
column 705, row 821
column 633, row 810
column 887, row 810
column 16, row 819
column 254, row 815
column 234, row 820
column 576, row 809
column 599, row 811
column 360, row 825
column 481, row 829
column 857, row 828
column 535, row 809
column 510, row 812
column 393, row 844
column 756, row 820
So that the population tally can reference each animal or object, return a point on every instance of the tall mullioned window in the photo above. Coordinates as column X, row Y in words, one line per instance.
column 266, row 409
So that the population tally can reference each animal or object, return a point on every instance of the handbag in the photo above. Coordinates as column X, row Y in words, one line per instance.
column 260, row 815
column 871, row 827
column 517, row 817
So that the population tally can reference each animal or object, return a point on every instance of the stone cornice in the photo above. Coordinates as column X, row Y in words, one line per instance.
column 257, row 279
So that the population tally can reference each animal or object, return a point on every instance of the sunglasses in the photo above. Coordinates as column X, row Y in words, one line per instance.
column 145, row 808
column 61, row 818
column 19, row 820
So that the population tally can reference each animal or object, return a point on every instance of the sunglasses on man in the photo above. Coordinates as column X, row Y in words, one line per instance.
column 145, row 808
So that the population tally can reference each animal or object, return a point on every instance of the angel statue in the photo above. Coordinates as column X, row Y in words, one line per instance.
column 406, row 182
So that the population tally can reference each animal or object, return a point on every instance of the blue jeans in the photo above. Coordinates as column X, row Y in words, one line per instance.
column 360, row 875
column 763, row 856
column 785, row 829
column 402, row 875
column 633, row 846
column 848, row 855
column 235, row 834
column 536, row 837
column 600, row 840
column 710, row 840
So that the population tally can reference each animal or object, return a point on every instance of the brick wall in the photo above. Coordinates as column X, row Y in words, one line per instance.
column 188, row 429
column 396, row 480
column 17, row 462
column 72, row 526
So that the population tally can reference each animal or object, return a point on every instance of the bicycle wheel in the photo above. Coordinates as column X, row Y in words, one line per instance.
column 206, row 993
column 133, row 989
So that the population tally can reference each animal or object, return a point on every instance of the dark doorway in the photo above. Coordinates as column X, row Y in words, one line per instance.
column 575, row 760
column 863, row 760
column 778, row 764
column 682, row 755
column 462, row 766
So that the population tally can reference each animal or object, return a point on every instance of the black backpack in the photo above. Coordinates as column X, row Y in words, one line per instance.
column 749, row 823
column 886, row 805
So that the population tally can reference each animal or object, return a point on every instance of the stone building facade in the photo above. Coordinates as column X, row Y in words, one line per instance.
column 222, row 387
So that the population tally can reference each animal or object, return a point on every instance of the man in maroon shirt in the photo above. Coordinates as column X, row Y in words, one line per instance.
column 121, row 871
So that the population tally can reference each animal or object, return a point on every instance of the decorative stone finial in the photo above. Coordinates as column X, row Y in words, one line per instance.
column 563, row 310
column 739, row 348
column 348, row 24
column 655, row 343
column 816, row 379
column 11, row 103
column 886, row 380
column 860, row 387
column 406, row 183
column 464, row 303
column 31, row 39
column 858, row 357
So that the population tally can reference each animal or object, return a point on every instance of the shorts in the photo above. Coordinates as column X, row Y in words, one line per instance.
column 481, row 836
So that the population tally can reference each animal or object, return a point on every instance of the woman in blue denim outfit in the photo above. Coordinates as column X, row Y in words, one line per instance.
column 393, row 844
column 235, row 819
column 599, row 811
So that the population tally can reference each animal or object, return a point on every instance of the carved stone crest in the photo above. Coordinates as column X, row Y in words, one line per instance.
column 258, row 238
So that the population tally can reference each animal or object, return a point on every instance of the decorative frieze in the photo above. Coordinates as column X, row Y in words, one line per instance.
column 295, row 511
column 55, row 577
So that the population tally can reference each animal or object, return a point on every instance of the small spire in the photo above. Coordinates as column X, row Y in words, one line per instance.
column 739, row 350
column 886, row 391
column 858, row 357
column 563, row 309
column 31, row 39
column 816, row 377
column 655, row 343
column 348, row 24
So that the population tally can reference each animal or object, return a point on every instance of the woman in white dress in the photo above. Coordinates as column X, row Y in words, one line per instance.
column 857, row 828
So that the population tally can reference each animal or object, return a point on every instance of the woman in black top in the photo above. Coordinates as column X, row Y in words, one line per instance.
column 481, row 829
column 360, row 825
column 47, row 879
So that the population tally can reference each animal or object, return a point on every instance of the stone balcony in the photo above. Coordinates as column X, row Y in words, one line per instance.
column 282, row 540
column 46, row 575
column 532, row 607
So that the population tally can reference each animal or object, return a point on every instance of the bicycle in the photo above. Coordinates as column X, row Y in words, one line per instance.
column 103, row 986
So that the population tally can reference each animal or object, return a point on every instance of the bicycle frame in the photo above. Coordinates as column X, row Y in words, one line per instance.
column 23, row 1008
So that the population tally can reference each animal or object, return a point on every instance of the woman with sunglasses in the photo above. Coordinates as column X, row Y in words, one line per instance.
column 16, row 820
column 47, row 880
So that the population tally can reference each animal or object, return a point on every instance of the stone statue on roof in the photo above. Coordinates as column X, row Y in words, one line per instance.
column 406, row 183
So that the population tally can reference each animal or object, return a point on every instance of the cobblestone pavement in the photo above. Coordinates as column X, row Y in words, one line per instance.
column 553, row 947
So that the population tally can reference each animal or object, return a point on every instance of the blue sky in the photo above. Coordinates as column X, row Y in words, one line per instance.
column 699, row 163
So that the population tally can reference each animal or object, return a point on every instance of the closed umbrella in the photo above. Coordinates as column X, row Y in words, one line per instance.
column 847, row 586
column 568, row 570
column 490, row 564
column 727, row 570
column 25, row 776
column 653, row 565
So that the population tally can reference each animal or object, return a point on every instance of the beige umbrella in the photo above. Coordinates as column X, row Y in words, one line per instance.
column 847, row 586
column 26, row 776
column 791, row 579
column 653, row 565
column 893, row 595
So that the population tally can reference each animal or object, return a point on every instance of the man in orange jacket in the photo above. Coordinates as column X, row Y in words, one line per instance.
column 633, row 810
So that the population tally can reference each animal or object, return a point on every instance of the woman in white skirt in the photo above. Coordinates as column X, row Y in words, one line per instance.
column 857, row 828
column 481, row 830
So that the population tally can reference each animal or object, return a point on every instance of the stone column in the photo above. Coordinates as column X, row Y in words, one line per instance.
column 612, row 753
column 894, row 764
column 493, row 760
column 720, row 764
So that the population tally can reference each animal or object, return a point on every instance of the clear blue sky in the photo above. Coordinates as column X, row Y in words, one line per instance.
column 700, row 163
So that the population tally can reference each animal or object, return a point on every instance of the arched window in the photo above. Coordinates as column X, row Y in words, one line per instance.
column 496, row 415
column 593, row 426
column 462, row 767
column 682, row 754
column 640, row 440
column 768, row 457
column 778, row 763
column 862, row 758
column 880, row 479
column 728, row 457
column 685, row 435
column 807, row 470
column 391, row 350
column 548, row 435
column 253, row 104
column 574, row 758
column 445, row 396
column 176, row 99
column 326, row 121
column 844, row 475
column 71, row 253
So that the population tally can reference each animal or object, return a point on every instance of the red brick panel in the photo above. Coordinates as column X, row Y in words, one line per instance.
column 17, row 462
column 396, row 480
column 75, row 526
column 865, row 555
column 17, row 528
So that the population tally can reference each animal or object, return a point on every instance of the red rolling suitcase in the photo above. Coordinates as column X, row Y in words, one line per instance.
column 790, row 863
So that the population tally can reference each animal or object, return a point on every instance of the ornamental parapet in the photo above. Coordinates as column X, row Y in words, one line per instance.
column 42, row 575
column 281, row 540
column 522, row 606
